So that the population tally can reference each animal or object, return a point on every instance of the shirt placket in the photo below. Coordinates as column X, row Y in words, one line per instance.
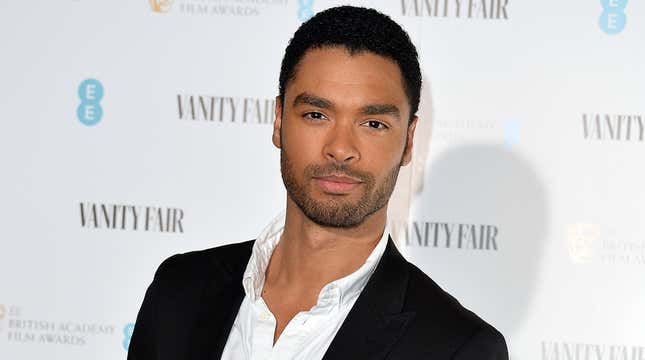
column 302, row 328
column 263, row 329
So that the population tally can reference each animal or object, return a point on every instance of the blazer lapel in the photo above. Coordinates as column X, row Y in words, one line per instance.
column 375, row 322
column 221, row 299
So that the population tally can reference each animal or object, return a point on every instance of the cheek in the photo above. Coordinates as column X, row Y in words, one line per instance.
column 303, row 144
column 381, row 156
column 300, row 151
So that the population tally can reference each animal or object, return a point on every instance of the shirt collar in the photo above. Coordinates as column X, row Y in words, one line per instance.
column 340, row 291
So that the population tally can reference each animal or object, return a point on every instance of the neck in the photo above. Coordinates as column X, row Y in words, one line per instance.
column 309, row 255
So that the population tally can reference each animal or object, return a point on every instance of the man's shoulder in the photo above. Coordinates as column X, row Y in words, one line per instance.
column 425, row 295
column 200, row 264
column 439, row 313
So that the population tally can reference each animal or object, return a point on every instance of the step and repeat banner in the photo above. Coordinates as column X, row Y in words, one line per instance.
column 134, row 130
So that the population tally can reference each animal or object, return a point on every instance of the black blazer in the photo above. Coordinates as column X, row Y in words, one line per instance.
column 191, row 305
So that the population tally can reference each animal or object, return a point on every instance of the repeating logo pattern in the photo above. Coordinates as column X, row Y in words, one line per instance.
column 471, row 9
column 613, row 18
column 90, row 111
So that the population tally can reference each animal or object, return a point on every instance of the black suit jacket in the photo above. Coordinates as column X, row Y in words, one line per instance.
column 191, row 305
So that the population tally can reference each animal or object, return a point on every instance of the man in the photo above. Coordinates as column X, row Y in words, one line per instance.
column 324, row 280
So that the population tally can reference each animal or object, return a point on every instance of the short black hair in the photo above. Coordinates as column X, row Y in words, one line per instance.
column 357, row 29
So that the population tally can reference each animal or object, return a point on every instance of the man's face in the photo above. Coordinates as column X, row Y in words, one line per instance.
column 342, row 133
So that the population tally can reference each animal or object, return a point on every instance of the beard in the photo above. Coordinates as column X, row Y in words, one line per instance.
column 336, row 211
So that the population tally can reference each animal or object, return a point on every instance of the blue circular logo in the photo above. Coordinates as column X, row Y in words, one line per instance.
column 612, row 22
column 305, row 9
column 618, row 5
column 613, row 19
column 127, row 335
column 89, row 111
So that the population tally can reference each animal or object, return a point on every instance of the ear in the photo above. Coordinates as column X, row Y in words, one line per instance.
column 407, row 152
column 277, row 123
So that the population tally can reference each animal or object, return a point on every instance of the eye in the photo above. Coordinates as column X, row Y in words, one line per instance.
column 314, row 115
column 374, row 124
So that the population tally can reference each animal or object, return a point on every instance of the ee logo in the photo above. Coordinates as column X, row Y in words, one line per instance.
column 127, row 335
column 613, row 19
column 90, row 111
column 305, row 9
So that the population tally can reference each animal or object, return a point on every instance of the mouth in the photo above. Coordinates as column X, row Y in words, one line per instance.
column 337, row 184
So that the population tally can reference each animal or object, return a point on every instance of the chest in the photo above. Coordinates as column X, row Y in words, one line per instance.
column 284, row 332
column 284, row 308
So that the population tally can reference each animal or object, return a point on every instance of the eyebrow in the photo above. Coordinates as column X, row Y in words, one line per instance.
column 371, row 109
column 308, row 99
column 381, row 109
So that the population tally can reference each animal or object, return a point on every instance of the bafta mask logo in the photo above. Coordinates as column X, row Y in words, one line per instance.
column 160, row 6
column 583, row 241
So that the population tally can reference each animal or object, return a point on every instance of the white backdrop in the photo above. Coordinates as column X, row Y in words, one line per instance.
column 526, row 192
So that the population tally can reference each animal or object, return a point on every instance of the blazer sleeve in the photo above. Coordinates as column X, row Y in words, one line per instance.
column 144, row 341
column 485, row 344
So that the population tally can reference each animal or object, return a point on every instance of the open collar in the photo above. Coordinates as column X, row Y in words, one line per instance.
column 373, row 325
column 376, row 320
column 341, row 291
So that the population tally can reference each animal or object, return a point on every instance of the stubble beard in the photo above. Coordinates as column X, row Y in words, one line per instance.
column 336, row 211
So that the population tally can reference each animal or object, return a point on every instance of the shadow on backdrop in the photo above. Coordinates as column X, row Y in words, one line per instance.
column 475, row 184
column 485, row 184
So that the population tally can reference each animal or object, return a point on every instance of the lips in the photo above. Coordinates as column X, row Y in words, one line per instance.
column 337, row 184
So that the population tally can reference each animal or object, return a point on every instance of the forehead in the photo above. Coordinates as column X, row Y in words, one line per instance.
column 351, row 79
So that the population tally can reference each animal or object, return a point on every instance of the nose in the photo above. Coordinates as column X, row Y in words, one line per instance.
column 340, row 145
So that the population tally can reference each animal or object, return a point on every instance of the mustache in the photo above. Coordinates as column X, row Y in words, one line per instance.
column 314, row 170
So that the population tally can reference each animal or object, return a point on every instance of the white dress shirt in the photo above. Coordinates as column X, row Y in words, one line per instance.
column 308, row 335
